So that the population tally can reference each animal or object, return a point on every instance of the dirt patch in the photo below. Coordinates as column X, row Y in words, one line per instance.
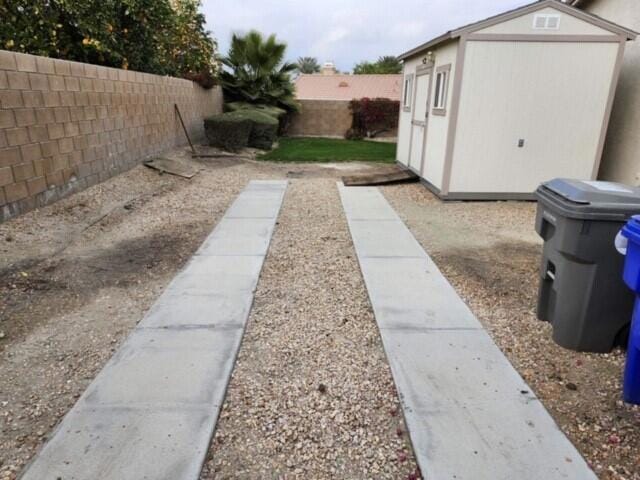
column 77, row 276
column 490, row 253
column 504, row 269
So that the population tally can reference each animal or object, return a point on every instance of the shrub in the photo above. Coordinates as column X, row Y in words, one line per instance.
column 264, row 127
column 280, row 114
column 275, row 112
column 228, row 131
column 372, row 117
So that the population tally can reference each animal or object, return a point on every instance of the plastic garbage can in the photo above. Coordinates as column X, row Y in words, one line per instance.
column 631, row 275
column 581, row 292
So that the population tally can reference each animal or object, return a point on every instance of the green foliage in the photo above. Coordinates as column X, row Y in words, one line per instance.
column 308, row 65
column 257, row 73
column 384, row 65
column 275, row 112
column 228, row 131
column 372, row 116
column 165, row 37
column 264, row 127
column 330, row 150
column 241, row 128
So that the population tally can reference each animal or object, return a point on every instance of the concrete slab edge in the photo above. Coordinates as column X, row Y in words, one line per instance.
column 208, row 411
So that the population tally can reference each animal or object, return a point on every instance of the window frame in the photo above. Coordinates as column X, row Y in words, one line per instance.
column 546, row 17
column 441, row 91
column 407, row 93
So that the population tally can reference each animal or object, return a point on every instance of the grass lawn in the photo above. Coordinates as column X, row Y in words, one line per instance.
column 330, row 150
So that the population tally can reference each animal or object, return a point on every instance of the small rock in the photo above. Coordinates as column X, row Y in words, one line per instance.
column 571, row 386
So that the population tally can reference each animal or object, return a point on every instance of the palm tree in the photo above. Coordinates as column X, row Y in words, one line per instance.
column 307, row 65
column 389, row 64
column 384, row 65
column 257, row 73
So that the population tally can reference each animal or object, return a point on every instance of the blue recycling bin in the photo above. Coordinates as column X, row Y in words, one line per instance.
column 631, row 275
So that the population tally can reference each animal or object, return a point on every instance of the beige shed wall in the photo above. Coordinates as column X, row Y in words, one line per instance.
column 404, row 122
column 621, row 157
column 549, row 94
column 569, row 25
column 438, row 126
column 65, row 126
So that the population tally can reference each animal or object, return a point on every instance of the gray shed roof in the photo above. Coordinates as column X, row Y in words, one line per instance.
column 532, row 7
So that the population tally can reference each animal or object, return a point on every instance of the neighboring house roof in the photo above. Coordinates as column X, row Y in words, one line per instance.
column 348, row 87
column 532, row 7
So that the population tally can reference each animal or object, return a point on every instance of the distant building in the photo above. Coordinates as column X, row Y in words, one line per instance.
column 328, row 68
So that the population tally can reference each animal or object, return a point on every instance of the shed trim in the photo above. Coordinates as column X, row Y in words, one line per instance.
column 518, row 12
column 453, row 117
column 512, row 37
column 607, row 114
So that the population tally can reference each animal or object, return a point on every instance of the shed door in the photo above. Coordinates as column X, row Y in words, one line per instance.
column 419, row 120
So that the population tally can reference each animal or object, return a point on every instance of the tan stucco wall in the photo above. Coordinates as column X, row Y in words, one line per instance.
column 321, row 118
column 65, row 126
column 621, row 158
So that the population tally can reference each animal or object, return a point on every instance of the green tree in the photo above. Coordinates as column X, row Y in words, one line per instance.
column 165, row 37
column 257, row 73
column 194, row 50
column 384, row 65
column 307, row 65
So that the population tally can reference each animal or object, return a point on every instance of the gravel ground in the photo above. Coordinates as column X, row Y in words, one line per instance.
column 311, row 395
column 311, row 391
column 76, row 276
column 490, row 252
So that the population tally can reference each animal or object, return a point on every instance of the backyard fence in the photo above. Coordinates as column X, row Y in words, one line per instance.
column 65, row 126
column 327, row 118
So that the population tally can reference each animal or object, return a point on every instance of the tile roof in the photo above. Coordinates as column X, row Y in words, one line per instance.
column 348, row 87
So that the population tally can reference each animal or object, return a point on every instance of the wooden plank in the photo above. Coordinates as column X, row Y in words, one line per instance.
column 173, row 166
column 381, row 178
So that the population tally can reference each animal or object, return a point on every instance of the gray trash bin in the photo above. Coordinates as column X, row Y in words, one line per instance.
column 581, row 289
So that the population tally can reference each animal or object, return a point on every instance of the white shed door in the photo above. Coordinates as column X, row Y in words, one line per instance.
column 419, row 121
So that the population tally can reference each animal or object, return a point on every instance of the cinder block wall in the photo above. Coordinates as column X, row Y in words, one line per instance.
column 65, row 126
column 323, row 118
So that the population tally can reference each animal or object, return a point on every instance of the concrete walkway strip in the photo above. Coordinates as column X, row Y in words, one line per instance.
column 469, row 413
column 150, row 413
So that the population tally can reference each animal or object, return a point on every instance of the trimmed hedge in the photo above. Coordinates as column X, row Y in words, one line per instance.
column 280, row 114
column 244, row 127
column 275, row 112
column 264, row 128
column 228, row 131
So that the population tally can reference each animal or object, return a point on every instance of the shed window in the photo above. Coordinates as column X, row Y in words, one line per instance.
column 408, row 87
column 440, row 98
column 546, row 22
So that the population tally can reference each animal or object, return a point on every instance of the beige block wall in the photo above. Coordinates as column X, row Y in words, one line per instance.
column 65, row 126
column 321, row 118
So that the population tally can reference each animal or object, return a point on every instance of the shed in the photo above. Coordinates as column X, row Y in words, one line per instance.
column 491, row 110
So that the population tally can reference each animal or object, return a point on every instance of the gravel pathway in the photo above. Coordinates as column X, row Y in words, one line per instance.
column 312, row 394
column 490, row 253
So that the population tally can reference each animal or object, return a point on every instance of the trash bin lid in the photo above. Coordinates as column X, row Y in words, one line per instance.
column 591, row 199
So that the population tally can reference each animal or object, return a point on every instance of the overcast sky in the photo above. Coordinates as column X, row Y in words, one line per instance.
column 347, row 31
